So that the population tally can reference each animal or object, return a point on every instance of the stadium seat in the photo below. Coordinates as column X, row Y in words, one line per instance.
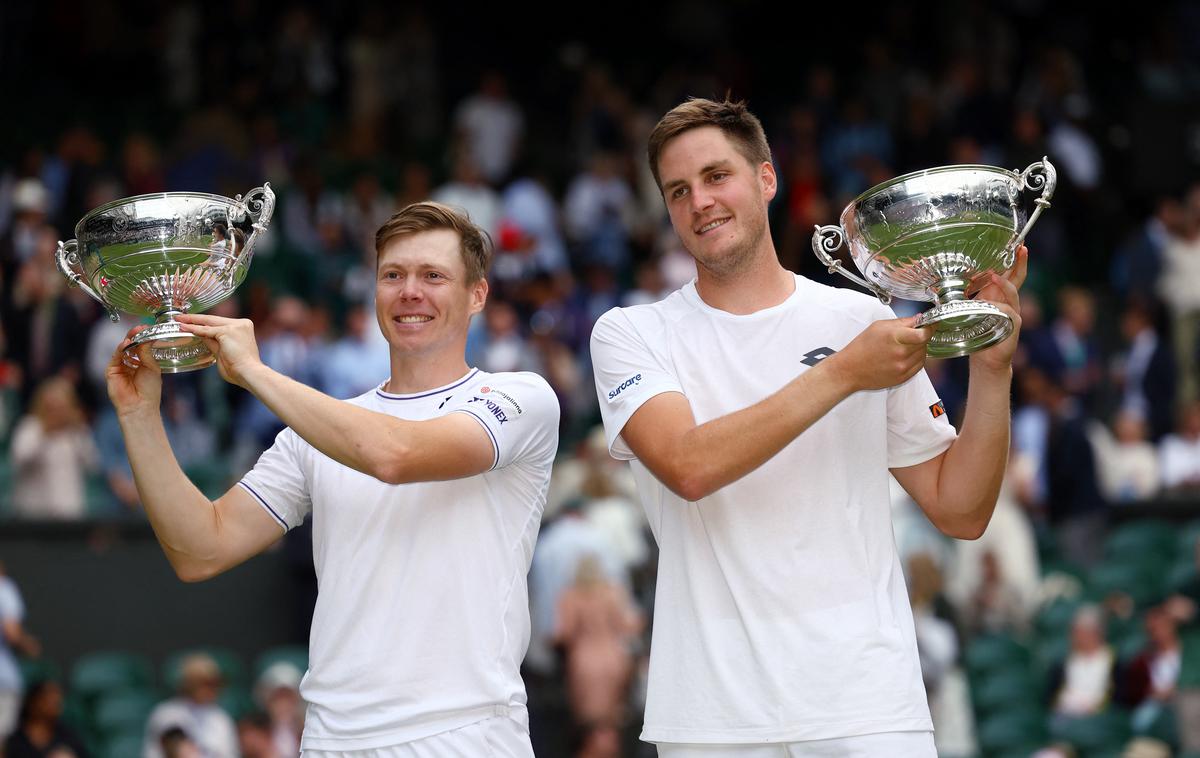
column 233, row 671
column 99, row 673
column 1013, row 732
column 1090, row 735
column 38, row 670
column 123, row 712
column 993, row 652
column 1142, row 577
column 125, row 745
column 236, row 701
column 1002, row 690
column 1141, row 538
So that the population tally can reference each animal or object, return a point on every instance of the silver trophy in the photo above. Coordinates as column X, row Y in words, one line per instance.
column 934, row 235
column 166, row 254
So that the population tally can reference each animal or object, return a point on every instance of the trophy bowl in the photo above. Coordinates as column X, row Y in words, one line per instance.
column 165, row 254
column 935, row 235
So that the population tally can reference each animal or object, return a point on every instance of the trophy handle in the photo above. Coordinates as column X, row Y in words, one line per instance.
column 260, row 206
column 826, row 241
column 67, row 259
column 1037, row 176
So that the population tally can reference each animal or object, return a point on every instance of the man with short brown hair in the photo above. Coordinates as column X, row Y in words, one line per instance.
column 761, row 413
column 426, row 492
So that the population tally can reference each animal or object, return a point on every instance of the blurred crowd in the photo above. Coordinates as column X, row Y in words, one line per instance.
column 352, row 115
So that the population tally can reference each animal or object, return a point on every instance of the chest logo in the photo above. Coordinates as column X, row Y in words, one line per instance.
column 492, row 406
column 813, row 357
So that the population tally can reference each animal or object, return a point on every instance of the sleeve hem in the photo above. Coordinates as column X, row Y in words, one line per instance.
column 486, row 428
column 916, row 457
column 624, row 453
column 261, row 501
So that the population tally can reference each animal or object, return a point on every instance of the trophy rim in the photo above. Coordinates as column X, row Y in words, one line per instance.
column 926, row 172
column 151, row 196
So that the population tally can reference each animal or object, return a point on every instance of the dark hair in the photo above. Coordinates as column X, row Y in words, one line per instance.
column 733, row 118
column 474, row 243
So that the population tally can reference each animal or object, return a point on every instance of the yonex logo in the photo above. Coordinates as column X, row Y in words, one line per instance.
column 492, row 406
column 635, row 379
column 813, row 357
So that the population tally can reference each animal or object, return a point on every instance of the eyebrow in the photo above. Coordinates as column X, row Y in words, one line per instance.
column 707, row 169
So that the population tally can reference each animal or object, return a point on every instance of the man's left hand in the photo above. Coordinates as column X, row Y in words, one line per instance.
column 231, row 340
column 1002, row 292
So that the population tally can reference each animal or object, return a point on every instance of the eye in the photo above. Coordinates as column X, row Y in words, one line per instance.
column 391, row 275
column 717, row 176
column 434, row 275
column 679, row 192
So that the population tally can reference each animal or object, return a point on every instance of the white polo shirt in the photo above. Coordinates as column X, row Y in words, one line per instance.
column 422, row 613
column 781, row 613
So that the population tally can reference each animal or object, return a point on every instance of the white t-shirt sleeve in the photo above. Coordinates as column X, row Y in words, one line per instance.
column 519, row 411
column 278, row 481
column 918, row 425
column 11, row 606
column 627, row 375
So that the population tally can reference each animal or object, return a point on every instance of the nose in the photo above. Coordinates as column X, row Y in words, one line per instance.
column 701, row 199
column 410, row 289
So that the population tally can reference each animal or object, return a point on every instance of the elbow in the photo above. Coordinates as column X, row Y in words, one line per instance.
column 691, row 486
column 969, row 529
column 387, row 465
column 190, row 572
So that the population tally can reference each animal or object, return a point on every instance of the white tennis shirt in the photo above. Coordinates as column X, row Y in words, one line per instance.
column 781, row 612
column 422, row 613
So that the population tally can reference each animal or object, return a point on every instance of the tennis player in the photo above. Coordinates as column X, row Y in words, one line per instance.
column 426, row 495
column 762, row 413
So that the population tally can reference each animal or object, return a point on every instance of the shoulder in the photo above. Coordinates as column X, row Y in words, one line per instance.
column 520, row 390
column 646, row 318
column 845, row 302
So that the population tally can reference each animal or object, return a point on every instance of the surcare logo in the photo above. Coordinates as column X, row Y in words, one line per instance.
column 492, row 406
column 630, row 382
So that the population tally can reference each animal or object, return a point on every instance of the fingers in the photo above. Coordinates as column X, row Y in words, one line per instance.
column 1008, row 290
column 203, row 318
column 1019, row 271
column 209, row 332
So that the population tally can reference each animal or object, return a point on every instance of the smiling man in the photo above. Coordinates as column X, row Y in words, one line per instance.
column 762, row 413
column 426, row 495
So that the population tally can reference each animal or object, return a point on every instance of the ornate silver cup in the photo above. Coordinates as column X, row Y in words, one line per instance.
column 934, row 235
column 166, row 254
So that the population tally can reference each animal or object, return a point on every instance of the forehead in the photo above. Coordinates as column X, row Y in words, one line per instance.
column 690, row 152
column 436, row 247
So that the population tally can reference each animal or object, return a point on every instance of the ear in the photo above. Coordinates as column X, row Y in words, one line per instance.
column 770, row 183
column 479, row 294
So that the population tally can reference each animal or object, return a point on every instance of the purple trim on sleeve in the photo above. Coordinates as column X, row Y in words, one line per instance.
column 486, row 428
column 260, row 499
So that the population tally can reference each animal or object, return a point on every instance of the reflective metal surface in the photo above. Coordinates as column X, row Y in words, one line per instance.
column 933, row 235
column 164, row 254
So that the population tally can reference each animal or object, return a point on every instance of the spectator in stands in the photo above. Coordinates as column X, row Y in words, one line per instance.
column 1180, row 454
column 599, row 211
column 255, row 739
column 195, row 711
column 13, row 639
column 1127, row 463
column 41, row 732
column 277, row 692
column 597, row 625
column 490, row 125
column 1067, row 349
column 1145, row 372
column 1083, row 684
column 52, row 452
column 1149, row 680
column 468, row 191
column 176, row 743
column 358, row 361
column 1179, row 288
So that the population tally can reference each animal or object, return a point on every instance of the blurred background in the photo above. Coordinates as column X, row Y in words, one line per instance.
column 1069, row 629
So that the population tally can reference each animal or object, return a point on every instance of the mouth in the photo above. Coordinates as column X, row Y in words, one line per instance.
column 714, row 224
column 411, row 319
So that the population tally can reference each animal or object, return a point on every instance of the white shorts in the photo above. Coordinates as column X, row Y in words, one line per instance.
column 891, row 744
column 497, row 737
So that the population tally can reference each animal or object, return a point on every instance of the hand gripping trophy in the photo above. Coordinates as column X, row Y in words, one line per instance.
column 165, row 254
column 934, row 235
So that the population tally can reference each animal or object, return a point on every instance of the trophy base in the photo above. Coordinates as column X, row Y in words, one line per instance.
column 963, row 327
column 174, row 350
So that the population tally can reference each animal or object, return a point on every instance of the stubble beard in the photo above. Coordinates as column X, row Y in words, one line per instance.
column 739, row 259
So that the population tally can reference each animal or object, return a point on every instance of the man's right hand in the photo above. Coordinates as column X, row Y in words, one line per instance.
column 134, row 390
column 887, row 353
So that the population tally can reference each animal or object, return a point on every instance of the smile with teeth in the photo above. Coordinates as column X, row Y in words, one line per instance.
column 711, row 225
column 413, row 319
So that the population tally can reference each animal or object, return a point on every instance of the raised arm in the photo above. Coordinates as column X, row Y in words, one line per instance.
column 200, row 537
column 959, row 488
column 694, row 461
column 390, row 449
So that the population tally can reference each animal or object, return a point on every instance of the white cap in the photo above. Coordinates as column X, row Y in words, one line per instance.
column 30, row 196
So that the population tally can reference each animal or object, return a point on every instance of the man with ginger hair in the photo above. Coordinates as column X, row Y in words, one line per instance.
column 761, row 413
column 426, row 494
